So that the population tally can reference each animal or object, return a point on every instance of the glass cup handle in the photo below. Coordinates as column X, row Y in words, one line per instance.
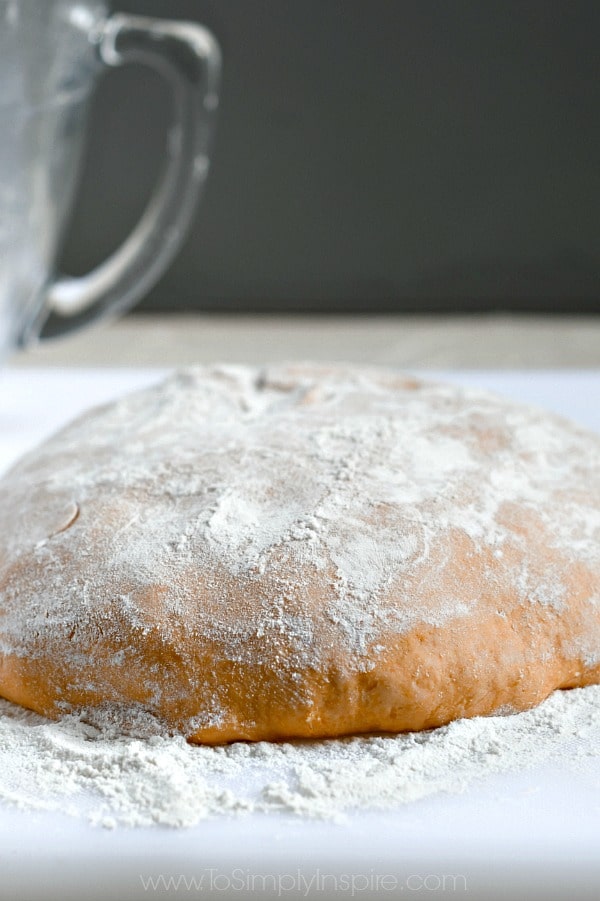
column 189, row 57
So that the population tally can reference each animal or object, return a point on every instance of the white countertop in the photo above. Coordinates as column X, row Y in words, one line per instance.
column 433, row 342
column 522, row 835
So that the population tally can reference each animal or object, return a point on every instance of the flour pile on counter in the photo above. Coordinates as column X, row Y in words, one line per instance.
column 111, row 779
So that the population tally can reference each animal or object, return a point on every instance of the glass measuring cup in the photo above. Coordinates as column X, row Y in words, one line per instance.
column 51, row 54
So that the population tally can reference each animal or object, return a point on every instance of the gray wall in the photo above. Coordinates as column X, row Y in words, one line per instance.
column 372, row 155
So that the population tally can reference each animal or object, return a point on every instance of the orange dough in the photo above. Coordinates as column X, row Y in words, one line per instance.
column 301, row 551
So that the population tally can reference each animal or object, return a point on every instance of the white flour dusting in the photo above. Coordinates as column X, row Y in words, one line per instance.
column 113, row 779
column 241, row 534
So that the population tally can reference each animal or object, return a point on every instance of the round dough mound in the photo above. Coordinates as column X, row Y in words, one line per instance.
column 301, row 551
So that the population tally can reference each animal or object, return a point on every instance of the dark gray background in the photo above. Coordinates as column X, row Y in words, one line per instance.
column 371, row 156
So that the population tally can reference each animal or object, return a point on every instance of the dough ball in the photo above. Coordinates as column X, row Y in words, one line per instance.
column 301, row 551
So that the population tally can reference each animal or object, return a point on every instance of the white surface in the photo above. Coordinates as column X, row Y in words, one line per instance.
column 527, row 835
column 487, row 341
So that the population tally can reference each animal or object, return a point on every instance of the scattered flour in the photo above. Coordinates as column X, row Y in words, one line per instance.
column 146, row 778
